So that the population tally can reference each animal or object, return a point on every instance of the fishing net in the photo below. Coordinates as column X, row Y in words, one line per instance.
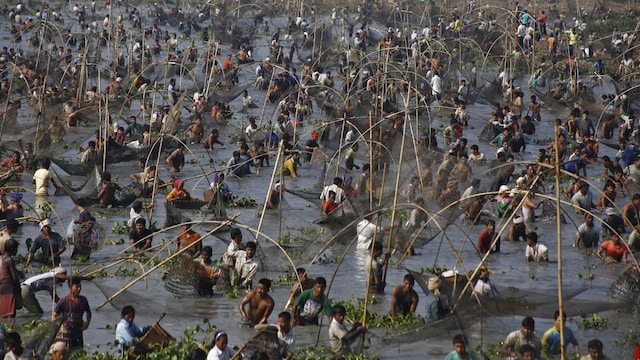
column 156, row 336
column 549, row 215
column 626, row 287
column 88, row 190
column 319, row 158
column 182, row 277
column 72, row 169
column 87, row 237
column 127, row 195
column 265, row 341
column 216, row 205
column 173, row 215
column 488, row 133
column 117, row 153
column 172, row 119
column 6, row 177
column 39, row 337
column 224, row 281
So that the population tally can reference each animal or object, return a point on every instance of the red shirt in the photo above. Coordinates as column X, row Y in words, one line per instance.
column 617, row 252
column 542, row 18
column 484, row 241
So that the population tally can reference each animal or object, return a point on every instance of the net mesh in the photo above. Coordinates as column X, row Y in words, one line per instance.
column 89, row 237
column 182, row 277
column 265, row 341
column 39, row 338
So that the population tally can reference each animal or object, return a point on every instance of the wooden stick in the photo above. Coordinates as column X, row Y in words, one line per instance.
column 266, row 201
column 238, row 354
column 395, row 195
column 373, row 241
column 132, row 282
column 559, row 242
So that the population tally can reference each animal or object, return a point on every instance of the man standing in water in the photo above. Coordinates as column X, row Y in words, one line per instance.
column 460, row 349
column 260, row 304
column 42, row 177
column 310, row 303
column 246, row 266
column 51, row 244
column 404, row 299
column 70, row 310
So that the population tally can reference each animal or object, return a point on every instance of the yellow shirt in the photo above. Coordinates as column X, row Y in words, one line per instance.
column 289, row 168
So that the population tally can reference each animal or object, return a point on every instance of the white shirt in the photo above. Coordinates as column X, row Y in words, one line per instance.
column 537, row 253
column 340, row 196
column 365, row 229
column 436, row 85
column 42, row 177
column 287, row 341
column 478, row 157
column 482, row 289
column 133, row 216
column 246, row 268
column 217, row 354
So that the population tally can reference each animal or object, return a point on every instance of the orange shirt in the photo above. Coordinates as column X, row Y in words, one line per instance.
column 329, row 207
column 185, row 239
column 617, row 252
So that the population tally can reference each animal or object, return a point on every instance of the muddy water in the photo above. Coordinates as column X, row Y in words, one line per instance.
column 151, row 299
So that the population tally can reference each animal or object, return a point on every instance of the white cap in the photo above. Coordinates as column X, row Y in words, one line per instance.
column 520, row 179
column 610, row 211
column 45, row 222
column 518, row 220
column 118, row 79
column 503, row 188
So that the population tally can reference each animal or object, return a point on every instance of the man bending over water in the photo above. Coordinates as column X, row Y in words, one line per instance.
column 260, row 303
column 404, row 299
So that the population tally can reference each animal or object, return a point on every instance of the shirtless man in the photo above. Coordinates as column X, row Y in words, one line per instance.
column 106, row 196
column 196, row 131
column 260, row 303
column 404, row 299
column 56, row 130
column 463, row 170
column 534, row 108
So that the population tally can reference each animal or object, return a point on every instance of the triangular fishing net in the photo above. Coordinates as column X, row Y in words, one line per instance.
column 319, row 158
column 173, row 215
column 40, row 337
column 88, row 190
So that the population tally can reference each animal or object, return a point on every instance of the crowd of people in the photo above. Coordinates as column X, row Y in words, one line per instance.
column 442, row 177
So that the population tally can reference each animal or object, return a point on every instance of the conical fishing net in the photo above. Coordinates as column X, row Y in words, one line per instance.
column 182, row 277
column 88, row 237
column 265, row 341
column 626, row 287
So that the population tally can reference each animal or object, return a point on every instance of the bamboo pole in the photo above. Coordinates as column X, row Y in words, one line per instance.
column 273, row 176
column 559, row 242
column 375, row 233
column 398, row 174
column 134, row 281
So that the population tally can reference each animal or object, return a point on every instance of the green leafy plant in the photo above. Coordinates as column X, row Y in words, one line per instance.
column 594, row 321
column 355, row 310
column 121, row 228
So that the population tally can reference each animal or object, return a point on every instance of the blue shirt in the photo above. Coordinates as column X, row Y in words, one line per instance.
column 454, row 356
column 125, row 332
column 435, row 310
column 551, row 340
